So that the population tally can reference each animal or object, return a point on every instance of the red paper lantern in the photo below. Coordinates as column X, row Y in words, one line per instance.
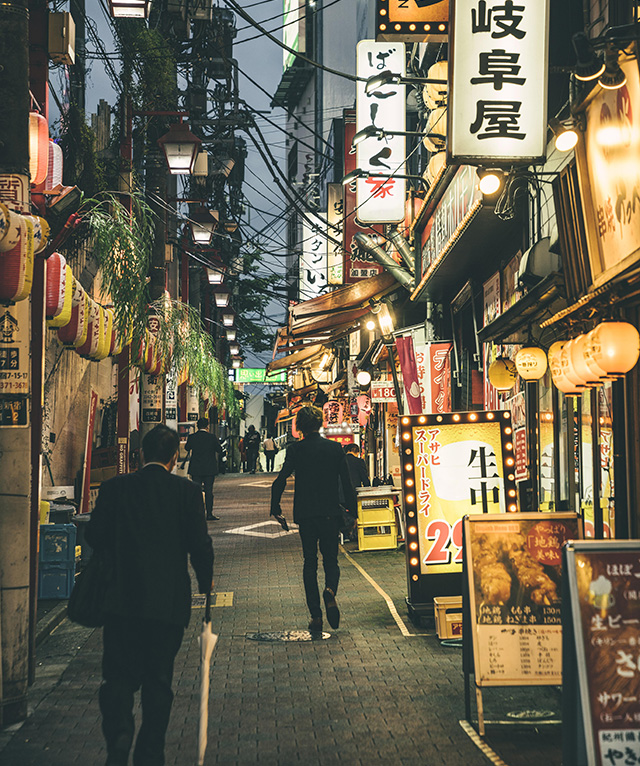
column 56, row 285
column 63, row 316
column 54, row 173
column 90, row 345
column 16, row 266
column 75, row 332
column 38, row 148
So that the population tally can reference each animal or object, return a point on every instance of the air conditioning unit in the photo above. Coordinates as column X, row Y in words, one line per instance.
column 62, row 38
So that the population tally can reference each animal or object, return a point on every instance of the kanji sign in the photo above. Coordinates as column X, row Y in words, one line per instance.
column 412, row 20
column 383, row 391
column 259, row 375
column 313, row 261
column 498, row 96
column 381, row 199
column 15, row 361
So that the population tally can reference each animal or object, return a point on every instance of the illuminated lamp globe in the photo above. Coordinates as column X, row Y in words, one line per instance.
column 568, row 370
column 560, row 381
column 38, row 148
column 490, row 181
column 589, row 360
column 567, row 139
column 578, row 360
column 615, row 347
column 363, row 378
column 531, row 363
column 502, row 374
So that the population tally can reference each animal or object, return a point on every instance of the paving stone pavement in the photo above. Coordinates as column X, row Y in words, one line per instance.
column 367, row 695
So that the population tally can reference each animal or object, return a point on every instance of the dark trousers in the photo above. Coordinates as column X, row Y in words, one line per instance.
column 252, row 458
column 321, row 531
column 270, row 457
column 137, row 654
column 206, row 482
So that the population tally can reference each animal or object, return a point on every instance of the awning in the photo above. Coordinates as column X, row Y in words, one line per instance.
column 322, row 323
column 344, row 298
column 297, row 357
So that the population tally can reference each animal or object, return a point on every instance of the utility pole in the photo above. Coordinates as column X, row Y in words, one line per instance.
column 15, row 442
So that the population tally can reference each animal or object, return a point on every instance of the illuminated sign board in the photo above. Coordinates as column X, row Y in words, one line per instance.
column 498, row 81
column 259, row 375
column 335, row 220
column 293, row 30
column 412, row 20
column 313, row 260
column 381, row 199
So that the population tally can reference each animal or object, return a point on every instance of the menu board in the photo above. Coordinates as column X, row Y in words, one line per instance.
column 514, row 572
column 604, row 589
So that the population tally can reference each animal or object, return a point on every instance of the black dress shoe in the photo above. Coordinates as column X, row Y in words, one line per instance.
column 333, row 613
column 213, row 518
column 315, row 626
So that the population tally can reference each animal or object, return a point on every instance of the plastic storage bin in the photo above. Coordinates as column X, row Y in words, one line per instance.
column 377, row 529
column 57, row 543
column 448, row 613
column 56, row 580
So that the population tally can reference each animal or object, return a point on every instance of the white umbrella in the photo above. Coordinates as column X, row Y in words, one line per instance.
column 207, row 641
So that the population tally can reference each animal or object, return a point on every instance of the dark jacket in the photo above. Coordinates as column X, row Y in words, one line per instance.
column 149, row 523
column 318, row 464
column 204, row 448
column 357, row 470
column 252, row 441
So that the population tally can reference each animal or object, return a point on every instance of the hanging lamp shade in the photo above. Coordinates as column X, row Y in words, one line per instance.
column 202, row 223
column 615, row 347
column 74, row 333
column 180, row 148
column 60, row 314
column 502, row 374
column 54, row 172
column 568, row 370
column 38, row 148
column 560, row 381
column 436, row 95
column 90, row 345
column 578, row 359
column 436, row 129
column 531, row 363
column 16, row 266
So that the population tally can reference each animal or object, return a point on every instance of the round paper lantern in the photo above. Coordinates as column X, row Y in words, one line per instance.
column 502, row 374
column 568, row 370
column 560, row 380
column 61, row 315
column 436, row 129
column 432, row 94
column 596, row 371
column 54, row 173
column 436, row 163
column 75, row 332
column 79, row 294
column 16, row 266
column 615, row 347
column 104, row 339
column 9, row 228
column 38, row 148
column 577, row 353
column 531, row 363
column 90, row 345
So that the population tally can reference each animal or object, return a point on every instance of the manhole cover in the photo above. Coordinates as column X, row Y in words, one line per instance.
column 531, row 715
column 289, row 635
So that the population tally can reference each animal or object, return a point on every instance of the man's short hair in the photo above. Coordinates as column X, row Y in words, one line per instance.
column 203, row 423
column 353, row 447
column 160, row 444
column 308, row 419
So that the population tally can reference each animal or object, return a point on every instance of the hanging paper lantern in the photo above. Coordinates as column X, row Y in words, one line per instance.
column 62, row 316
column 531, row 363
column 568, row 370
column 54, row 173
column 90, row 346
column 615, row 347
column 364, row 409
column 502, row 374
column 38, row 148
column 9, row 228
column 104, row 336
column 436, row 130
column 437, row 162
column 436, row 95
column 16, row 266
column 79, row 294
column 560, row 381
column 577, row 353
column 75, row 332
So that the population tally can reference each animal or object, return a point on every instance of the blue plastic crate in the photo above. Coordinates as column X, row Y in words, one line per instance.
column 57, row 543
column 56, row 580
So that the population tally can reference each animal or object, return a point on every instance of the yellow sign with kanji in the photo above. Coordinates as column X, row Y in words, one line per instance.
column 412, row 20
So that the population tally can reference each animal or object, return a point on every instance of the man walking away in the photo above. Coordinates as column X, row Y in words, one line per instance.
column 270, row 450
column 252, row 446
column 319, row 466
column 204, row 465
column 147, row 523
column 359, row 478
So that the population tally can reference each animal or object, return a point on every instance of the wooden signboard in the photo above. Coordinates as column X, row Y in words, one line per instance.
column 601, row 657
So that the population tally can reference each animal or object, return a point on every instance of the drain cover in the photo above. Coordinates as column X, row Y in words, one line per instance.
column 289, row 635
column 531, row 715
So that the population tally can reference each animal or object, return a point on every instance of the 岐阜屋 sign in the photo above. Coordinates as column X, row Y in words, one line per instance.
column 498, row 81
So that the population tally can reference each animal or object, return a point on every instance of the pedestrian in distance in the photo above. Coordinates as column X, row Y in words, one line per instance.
column 319, row 466
column 359, row 478
column 205, row 453
column 252, row 446
column 243, row 455
column 148, row 524
column 270, row 450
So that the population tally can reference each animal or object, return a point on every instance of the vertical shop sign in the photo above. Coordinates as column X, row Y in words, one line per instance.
column 453, row 464
column 335, row 220
column 357, row 264
column 433, row 361
column 171, row 400
column 601, row 668
column 313, row 261
column 498, row 82
column 15, row 363
column 193, row 404
column 381, row 199
column 491, row 299
column 151, row 398
column 88, row 445
column 409, row 369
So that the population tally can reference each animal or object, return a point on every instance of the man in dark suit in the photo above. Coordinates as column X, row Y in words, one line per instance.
column 359, row 478
column 319, row 465
column 205, row 449
column 148, row 524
